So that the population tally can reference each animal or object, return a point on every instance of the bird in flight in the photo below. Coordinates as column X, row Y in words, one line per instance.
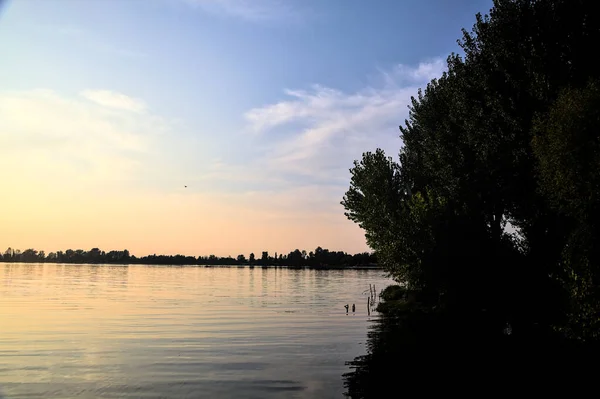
column 185, row 186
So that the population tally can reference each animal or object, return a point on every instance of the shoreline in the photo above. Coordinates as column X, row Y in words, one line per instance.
column 313, row 267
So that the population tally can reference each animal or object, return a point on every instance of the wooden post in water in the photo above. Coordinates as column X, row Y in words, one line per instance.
column 369, row 306
column 374, row 292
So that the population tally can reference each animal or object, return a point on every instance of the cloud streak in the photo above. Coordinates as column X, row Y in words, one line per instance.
column 112, row 99
column 320, row 131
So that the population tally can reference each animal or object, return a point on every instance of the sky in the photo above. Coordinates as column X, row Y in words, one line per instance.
column 109, row 108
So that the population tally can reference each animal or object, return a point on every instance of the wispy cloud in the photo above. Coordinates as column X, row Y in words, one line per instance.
column 304, row 144
column 50, row 138
column 112, row 99
column 310, row 139
column 252, row 10
column 318, row 132
column 424, row 72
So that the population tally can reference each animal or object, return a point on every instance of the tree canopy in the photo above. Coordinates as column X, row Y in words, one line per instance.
column 493, row 204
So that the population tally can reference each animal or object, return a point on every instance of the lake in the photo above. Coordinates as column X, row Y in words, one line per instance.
column 89, row 331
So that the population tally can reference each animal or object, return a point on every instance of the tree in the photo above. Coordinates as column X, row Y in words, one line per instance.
column 567, row 147
column 524, row 55
column 265, row 257
column 437, row 219
column 294, row 258
column 94, row 255
column 252, row 259
column 29, row 255
column 9, row 254
column 376, row 201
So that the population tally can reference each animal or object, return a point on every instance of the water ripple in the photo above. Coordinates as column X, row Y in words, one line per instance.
column 86, row 331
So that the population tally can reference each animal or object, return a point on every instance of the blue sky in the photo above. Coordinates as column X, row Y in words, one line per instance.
column 259, row 106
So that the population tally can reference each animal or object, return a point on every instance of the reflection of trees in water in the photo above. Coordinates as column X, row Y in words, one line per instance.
column 372, row 372
column 418, row 351
column 400, row 348
column 120, row 275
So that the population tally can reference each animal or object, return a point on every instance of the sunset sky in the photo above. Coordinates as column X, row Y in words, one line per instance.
column 108, row 108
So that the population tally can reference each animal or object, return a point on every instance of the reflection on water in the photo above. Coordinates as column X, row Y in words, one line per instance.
column 90, row 331
column 375, row 373
column 430, row 352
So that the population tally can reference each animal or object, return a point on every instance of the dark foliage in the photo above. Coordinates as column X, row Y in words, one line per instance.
column 491, row 213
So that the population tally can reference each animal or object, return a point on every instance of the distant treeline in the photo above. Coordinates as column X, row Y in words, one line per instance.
column 319, row 257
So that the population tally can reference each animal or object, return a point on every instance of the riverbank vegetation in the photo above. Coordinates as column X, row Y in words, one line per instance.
column 318, row 258
column 491, row 216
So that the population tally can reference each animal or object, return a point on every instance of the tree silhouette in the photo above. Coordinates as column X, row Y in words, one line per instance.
column 508, row 135
column 97, row 256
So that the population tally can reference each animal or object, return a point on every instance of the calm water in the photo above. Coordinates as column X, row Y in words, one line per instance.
column 84, row 331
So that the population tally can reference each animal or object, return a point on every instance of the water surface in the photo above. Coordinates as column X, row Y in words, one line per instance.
column 87, row 331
